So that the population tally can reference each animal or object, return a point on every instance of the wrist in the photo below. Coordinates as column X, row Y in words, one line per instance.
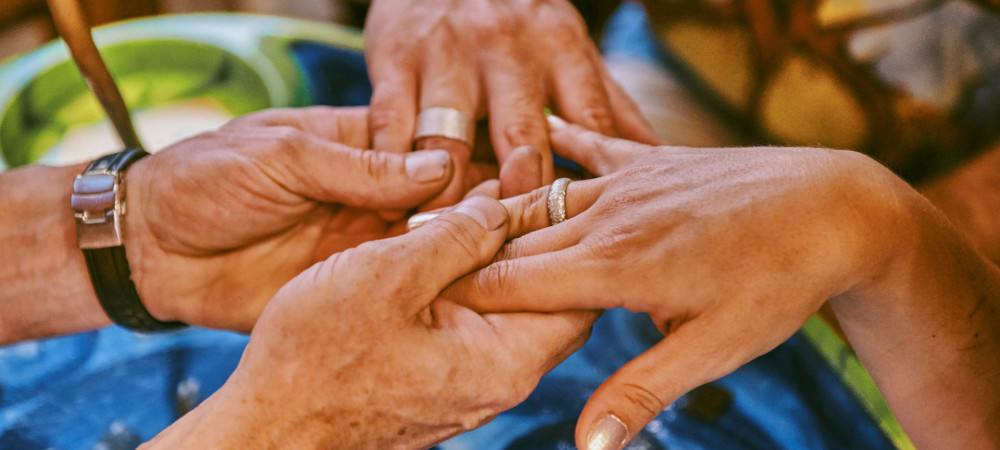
column 924, row 326
column 237, row 416
column 140, row 243
column 46, row 287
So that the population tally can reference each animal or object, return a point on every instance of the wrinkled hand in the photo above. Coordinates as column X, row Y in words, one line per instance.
column 728, row 250
column 504, row 59
column 359, row 352
column 218, row 223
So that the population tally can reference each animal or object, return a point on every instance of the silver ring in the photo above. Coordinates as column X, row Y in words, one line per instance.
column 446, row 122
column 557, row 201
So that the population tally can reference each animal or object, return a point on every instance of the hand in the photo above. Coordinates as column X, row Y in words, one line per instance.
column 217, row 223
column 728, row 250
column 359, row 352
column 508, row 60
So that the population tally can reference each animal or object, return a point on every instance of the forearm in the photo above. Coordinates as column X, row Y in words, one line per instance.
column 970, row 197
column 929, row 333
column 46, row 290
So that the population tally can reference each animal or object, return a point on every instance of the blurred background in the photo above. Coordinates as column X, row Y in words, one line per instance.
column 25, row 24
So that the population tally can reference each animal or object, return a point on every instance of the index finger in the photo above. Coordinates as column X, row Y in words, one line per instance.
column 343, row 125
column 393, row 105
column 517, row 100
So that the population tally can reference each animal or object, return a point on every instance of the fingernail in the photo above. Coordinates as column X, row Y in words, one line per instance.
column 487, row 212
column 610, row 433
column 417, row 220
column 555, row 122
column 427, row 165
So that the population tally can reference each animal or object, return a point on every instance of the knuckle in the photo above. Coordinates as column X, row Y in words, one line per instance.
column 532, row 211
column 610, row 245
column 566, row 31
column 494, row 29
column 374, row 165
column 596, row 116
column 461, row 237
column 382, row 117
column 642, row 398
column 493, row 279
column 518, row 390
column 286, row 138
column 524, row 130
column 509, row 391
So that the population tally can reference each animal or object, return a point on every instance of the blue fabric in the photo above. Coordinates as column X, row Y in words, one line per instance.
column 114, row 389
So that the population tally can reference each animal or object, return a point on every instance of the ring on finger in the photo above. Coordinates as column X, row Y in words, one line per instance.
column 557, row 201
column 440, row 121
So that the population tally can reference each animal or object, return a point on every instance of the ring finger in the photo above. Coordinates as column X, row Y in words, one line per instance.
column 449, row 82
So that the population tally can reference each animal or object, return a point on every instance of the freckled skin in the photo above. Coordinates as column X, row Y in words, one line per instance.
column 730, row 251
column 340, row 357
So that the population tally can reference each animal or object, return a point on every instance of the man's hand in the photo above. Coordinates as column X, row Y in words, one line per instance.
column 507, row 60
column 360, row 352
column 217, row 223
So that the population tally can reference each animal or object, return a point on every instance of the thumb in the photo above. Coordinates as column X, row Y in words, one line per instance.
column 452, row 244
column 367, row 179
column 693, row 354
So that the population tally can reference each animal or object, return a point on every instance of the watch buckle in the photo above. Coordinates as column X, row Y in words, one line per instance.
column 98, row 209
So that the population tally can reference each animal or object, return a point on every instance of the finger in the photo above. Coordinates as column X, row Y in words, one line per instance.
column 530, row 212
column 452, row 245
column 517, row 101
column 696, row 352
column 597, row 153
column 448, row 79
column 460, row 155
column 394, row 103
column 348, row 126
column 542, row 340
column 559, row 280
column 488, row 188
column 478, row 172
column 580, row 94
column 629, row 121
column 365, row 179
column 522, row 172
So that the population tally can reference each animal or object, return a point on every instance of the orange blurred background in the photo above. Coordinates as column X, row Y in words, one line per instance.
column 25, row 24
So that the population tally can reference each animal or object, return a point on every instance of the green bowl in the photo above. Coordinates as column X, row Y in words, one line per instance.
column 225, row 64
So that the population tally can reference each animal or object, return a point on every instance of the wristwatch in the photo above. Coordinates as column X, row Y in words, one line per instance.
column 98, row 203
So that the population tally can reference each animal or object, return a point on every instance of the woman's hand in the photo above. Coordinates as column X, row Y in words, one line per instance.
column 217, row 223
column 730, row 251
column 360, row 352
column 505, row 59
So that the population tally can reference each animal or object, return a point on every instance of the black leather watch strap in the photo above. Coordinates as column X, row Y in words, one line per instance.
column 98, row 202
column 110, row 274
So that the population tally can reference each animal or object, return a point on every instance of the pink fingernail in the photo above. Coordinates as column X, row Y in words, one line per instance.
column 417, row 220
column 555, row 122
column 486, row 211
column 427, row 165
column 610, row 433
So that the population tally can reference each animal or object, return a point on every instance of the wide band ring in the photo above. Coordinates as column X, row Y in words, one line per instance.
column 440, row 121
column 557, row 201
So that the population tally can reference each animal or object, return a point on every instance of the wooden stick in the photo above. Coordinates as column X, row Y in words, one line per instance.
column 71, row 22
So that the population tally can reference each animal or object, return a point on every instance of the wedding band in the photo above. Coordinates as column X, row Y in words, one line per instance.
column 445, row 122
column 557, row 201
